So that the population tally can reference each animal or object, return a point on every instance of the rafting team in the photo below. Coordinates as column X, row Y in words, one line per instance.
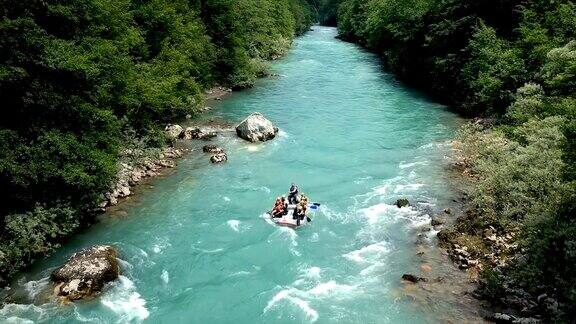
column 294, row 198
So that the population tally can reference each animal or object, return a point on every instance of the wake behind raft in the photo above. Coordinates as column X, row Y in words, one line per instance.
column 294, row 214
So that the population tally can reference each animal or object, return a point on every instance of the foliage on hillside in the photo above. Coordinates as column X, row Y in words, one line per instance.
column 76, row 74
column 327, row 11
column 515, row 61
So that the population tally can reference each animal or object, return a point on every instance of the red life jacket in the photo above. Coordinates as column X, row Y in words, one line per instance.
column 278, row 206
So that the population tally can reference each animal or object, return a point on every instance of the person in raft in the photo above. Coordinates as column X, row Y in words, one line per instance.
column 298, row 214
column 293, row 194
column 304, row 201
column 280, row 207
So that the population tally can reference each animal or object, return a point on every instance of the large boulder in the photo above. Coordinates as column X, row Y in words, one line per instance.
column 256, row 128
column 174, row 131
column 86, row 272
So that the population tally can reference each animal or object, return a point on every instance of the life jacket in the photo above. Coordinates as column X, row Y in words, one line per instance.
column 303, row 207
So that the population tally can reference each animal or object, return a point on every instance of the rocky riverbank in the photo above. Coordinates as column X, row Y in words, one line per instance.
column 135, row 166
column 485, row 251
column 138, row 164
column 480, row 253
column 216, row 93
column 436, row 281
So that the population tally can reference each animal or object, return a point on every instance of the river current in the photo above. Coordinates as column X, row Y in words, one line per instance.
column 195, row 247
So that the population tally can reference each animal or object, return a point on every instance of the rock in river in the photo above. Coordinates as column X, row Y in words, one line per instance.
column 198, row 133
column 212, row 149
column 256, row 128
column 412, row 278
column 174, row 131
column 86, row 272
column 191, row 133
column 437, row 221
column 207, row 135
column 219, row 158
column 402, row 202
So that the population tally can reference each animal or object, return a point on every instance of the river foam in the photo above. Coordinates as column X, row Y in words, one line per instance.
column 35, row 287
column 369, row 253
column 287, row 294
column 22, row 313
column 234, row 225
column 125, row 302
column 165, row 276
column 303, row 298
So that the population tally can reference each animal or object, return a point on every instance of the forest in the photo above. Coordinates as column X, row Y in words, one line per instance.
column 512, row 63
column 79, row 77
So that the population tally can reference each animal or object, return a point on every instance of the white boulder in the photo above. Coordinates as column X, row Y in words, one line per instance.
column 256, row 128
column 174, row 131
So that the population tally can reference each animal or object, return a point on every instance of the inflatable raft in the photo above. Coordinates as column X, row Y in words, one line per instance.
column 288, row 220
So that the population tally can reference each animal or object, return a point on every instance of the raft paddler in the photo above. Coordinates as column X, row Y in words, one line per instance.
column 293, row 194
column 279, row 208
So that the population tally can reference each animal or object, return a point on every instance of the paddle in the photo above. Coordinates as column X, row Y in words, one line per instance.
column 314, row 206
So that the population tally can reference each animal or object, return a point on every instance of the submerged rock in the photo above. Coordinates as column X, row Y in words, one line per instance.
column 86, row 272
column 402, row 202
column 436, row 221
column 198, row 133
column 256, row 128
column 219, row 158
column 412, row 278
column 207, row 135
column 174, row 131
column 212, row 149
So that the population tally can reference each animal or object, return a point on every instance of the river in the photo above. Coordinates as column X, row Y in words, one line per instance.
column 195, row 246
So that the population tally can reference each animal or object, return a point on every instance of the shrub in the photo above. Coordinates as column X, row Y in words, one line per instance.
column 32, row 234
column 519, row 177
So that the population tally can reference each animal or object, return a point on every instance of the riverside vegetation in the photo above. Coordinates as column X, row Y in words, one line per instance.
column 512, row 62
column 82, row 81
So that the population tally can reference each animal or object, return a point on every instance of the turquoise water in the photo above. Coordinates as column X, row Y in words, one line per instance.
column 196, row 249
